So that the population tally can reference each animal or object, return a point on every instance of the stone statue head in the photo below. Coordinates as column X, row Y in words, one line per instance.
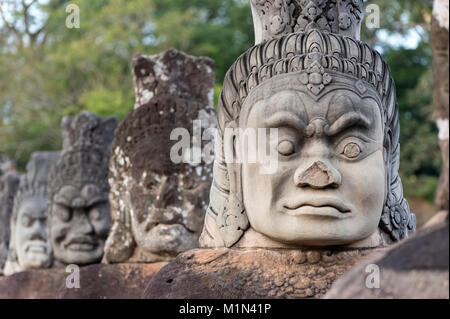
column 79, row 210
column 158, row 206
column 332, row 102
column 30, row 244
column 9, row 183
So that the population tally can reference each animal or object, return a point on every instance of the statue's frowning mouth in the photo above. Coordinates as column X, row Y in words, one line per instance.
column 81, row 244
column 38, row 247
column 322, row 206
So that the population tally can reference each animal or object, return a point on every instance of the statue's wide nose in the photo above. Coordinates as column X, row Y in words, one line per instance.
column 319, row 175
column 167, row 193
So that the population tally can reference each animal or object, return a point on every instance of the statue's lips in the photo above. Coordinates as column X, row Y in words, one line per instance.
column 170, row 238
column 161, row 226
column 37, row 247
column 321, row 206
column 166, row 216
column 81, row 244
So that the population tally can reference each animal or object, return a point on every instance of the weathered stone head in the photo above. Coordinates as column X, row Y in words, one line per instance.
column 9, row 183
column 332, row 100
column 158, row 205
column 79, row 209
column 29, row 246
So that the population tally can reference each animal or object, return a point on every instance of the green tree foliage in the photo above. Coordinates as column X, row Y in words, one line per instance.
column 420, row 153
column 48, row 71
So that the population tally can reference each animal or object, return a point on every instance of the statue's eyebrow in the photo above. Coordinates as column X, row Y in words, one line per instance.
column 96, row 200
column 27, row 213
column 347, row 120
column 61, row 200
column 285, row 118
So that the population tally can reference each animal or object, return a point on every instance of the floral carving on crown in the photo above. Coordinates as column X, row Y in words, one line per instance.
column 315, row 77
column 282, row 17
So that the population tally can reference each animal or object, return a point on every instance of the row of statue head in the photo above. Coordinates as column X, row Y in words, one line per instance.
column 332, row 101
column 62, row 210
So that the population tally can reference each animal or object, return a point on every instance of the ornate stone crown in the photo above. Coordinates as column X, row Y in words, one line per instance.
column 313, row 55
column 275, row 18
column 172, row 73
column 34, row 182
column 84, row 159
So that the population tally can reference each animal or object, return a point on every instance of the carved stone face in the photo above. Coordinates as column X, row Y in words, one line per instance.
column 330, row 182
column 168, row 211
column 31, row 234
column 80, row 224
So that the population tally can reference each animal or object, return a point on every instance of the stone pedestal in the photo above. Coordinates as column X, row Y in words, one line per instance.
column 121, row 281
column 416, row 268
column 251, row 273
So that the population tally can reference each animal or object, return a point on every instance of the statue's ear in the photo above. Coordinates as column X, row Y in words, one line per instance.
column 233, row 221
column 119, row 246
column 12, row 254
column 211, row 236
column 226, row 220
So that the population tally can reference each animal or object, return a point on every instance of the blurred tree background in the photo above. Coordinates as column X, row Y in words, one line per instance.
column 48, row 71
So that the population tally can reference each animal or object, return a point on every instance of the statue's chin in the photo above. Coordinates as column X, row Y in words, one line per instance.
column 36, row 262
column 254, row 239
column 164, row 238
column 80, row 257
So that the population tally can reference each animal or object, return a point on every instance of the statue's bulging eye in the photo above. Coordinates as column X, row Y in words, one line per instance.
column 26, row 221
column 352, row 150
column 98, row 212
column 64, row 213
column 94, row 214
column 286, row 148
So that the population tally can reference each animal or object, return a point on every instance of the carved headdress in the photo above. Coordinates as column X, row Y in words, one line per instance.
column 84, row 159
column 314, row 42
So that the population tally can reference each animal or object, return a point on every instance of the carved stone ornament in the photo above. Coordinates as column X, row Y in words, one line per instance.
column 333, row 101
column 79, row 210
column 273, row 18
column 29, row 245
column 158, row 206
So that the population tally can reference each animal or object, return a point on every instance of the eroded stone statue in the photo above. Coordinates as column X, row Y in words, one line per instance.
column 29, row 246
column 158, row 206
column 79, row 210
column 336, row 188
column 9, row 183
